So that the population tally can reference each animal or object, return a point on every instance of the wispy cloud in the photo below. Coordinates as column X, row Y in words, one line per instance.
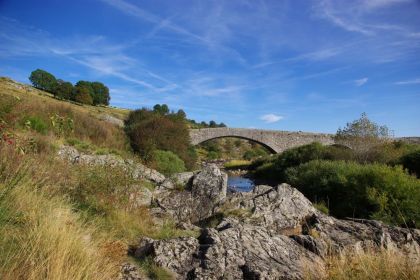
column 408, row 82
column 355, row 18
column 361, row 82
column 271, row 118
column 93, row 52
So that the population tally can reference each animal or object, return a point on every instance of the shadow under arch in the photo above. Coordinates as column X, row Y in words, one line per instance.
column 270, row 149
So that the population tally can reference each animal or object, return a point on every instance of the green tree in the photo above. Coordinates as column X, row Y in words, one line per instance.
column 100, row 93
column 82, row 95
column 362, row 135
column 181, row 114
column 212, row 124
column 64, row 90
column 161, row 109
column 43, row 80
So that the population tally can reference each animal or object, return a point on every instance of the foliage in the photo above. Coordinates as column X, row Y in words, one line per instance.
column 36, row 123
column 167, row 162
column 411, row 162
column 149, row 131
column 362, row 135
column 43, row 80
column 64, row 90
column 362, row 191
column 255, row 152
column 203, row 124
column 62, row 125
column 161, row 109
column 83, row 94
column 275, row 168
column 100, row 94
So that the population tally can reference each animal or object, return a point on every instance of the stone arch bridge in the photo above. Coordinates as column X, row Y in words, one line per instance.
column 276, row 141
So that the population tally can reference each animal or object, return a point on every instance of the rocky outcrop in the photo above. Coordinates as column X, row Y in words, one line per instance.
column 111, row 119
column 202, row 193
column 232, row 250
column 282, row 237
column 137, row 170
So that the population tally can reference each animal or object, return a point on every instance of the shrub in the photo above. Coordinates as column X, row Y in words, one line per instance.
column 36, row 123
column 167, row 162
column 411, row 162
column 275, row 167
column 149, row 131
column 362, row 191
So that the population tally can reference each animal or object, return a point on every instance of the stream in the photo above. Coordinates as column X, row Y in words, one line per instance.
column 240, row 183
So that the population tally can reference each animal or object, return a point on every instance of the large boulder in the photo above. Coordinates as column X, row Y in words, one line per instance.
column 177, row 255
column 284, row 210
column 198, row 200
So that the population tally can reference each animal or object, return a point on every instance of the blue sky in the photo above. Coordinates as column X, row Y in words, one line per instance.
column 288, row 65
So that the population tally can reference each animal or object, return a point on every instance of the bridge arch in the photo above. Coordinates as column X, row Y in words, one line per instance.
column 272, row 150
column 275, row 141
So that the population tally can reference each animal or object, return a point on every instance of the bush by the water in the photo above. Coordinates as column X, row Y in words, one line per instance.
column 351, row 189
column 274, row 168
column 167, row 162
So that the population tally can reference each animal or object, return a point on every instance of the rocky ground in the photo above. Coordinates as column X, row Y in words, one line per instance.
column 269, row 233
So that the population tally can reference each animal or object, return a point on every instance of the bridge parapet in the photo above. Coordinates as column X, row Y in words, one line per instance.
column 275, row 140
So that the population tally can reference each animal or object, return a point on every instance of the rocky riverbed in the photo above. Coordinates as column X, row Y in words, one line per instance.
column 269, row 233
column 272, row 232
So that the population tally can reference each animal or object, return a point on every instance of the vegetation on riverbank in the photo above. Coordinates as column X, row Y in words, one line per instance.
column 370, row 181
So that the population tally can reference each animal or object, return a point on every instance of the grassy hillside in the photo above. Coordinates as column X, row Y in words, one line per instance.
column 59, row 220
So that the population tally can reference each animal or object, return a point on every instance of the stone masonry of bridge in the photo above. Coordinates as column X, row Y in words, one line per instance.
column 276, row 141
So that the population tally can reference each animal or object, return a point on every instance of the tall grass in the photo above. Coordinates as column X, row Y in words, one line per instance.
column 42, row 238
column 384, row 265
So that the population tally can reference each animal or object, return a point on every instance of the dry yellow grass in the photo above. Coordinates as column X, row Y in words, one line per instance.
column 385, row 264
column 42, row 238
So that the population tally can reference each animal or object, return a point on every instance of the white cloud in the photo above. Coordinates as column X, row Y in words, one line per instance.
column 408, row 82
column 271, row 118
column 361, row 82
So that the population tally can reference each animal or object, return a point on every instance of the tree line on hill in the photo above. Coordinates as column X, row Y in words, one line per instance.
column 85, row 92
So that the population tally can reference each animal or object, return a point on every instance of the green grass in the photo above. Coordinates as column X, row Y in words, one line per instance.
column 236, row 164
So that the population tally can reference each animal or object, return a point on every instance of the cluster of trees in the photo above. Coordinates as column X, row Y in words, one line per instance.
column 203, row 124
column 153, row 131
column 366, row 176
column 85, row 92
